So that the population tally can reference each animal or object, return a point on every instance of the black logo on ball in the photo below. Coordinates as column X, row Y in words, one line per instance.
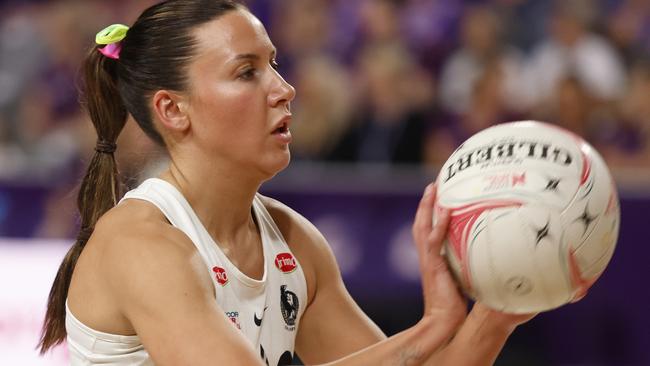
column 289, row 306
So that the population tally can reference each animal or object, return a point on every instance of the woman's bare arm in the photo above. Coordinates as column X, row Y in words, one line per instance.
column 162, row 286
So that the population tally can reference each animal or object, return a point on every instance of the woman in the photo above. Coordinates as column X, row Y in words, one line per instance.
column 139, row 285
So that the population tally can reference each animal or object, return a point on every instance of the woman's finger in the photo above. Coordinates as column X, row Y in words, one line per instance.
column 439, row 232
column 422, row 225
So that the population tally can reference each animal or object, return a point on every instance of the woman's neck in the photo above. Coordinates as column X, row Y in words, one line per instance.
column 221, row 199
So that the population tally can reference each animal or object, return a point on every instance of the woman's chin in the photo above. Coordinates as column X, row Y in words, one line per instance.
column 277, row 165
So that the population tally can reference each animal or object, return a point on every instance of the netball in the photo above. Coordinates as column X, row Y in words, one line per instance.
column 534, row 216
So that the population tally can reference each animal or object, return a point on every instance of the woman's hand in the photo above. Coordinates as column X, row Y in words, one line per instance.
column 497, row 320
column 442, row 300
column 484, row 331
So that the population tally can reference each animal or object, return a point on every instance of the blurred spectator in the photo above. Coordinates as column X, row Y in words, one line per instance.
column 481, row 46
column 312, row 29
column 393, row 93
column 380, row 21
column 487, row 104
column 430, row 29
column 302, row 27
column 304, row 31
column 322, row 107
column 22, row 56
column 629, row 138
column 486, row 107
column 572, row 49
column 390, row 118
column 629, row 29
column 523, row 22
column 571, row 106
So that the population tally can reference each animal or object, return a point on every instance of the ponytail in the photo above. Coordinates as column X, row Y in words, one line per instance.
column 100, row 188
column 154, row 56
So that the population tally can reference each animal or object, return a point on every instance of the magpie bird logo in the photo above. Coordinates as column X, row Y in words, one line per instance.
column 289, row 306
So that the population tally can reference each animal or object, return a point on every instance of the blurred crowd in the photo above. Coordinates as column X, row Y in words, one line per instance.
column 406, row 81
column 381, row 81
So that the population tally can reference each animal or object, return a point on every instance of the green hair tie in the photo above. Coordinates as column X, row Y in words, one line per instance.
column 111, row 34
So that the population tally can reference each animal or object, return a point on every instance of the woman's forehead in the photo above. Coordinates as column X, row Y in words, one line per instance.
column 231, row 35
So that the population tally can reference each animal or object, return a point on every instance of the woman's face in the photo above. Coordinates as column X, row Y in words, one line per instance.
column 238, row 103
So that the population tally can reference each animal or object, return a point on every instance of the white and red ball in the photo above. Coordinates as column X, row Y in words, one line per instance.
column 535, row 216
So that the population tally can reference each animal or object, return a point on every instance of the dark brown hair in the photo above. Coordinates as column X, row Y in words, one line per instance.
column 155, row 55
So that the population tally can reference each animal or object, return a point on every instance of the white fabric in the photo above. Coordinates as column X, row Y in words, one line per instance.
column 90, row 347
column 278, row 299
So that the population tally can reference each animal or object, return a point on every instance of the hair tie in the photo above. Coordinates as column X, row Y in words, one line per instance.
column 112, row 51
column 105, row 147
column 112, row 37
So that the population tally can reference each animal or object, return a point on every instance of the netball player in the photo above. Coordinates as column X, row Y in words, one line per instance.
column 194, row 267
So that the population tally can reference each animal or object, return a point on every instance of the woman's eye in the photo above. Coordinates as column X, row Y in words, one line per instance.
column 247, row 74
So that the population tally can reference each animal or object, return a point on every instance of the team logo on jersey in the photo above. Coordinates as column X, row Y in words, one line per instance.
column 234, row 318
column 285, row 262
column 221, row 276
column 289, row 306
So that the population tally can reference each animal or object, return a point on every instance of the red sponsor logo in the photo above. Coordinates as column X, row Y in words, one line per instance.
column 285, row 262
column 519, row 179
column 221, row 275
column 504, row 181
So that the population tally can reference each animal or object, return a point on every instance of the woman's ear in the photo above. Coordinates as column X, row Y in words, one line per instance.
column 171, row 110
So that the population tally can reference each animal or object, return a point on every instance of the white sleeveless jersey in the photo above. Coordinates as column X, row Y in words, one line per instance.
column 266, row 311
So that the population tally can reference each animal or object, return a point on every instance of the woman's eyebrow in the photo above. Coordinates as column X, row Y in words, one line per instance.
column 252, row 56
column 247, row 56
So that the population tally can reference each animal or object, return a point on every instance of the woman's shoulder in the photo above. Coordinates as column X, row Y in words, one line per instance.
column 137, row 229
column 135, row 237
column 295, row 228
column 305, row 241
column 132, row 248
column 134, row 219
